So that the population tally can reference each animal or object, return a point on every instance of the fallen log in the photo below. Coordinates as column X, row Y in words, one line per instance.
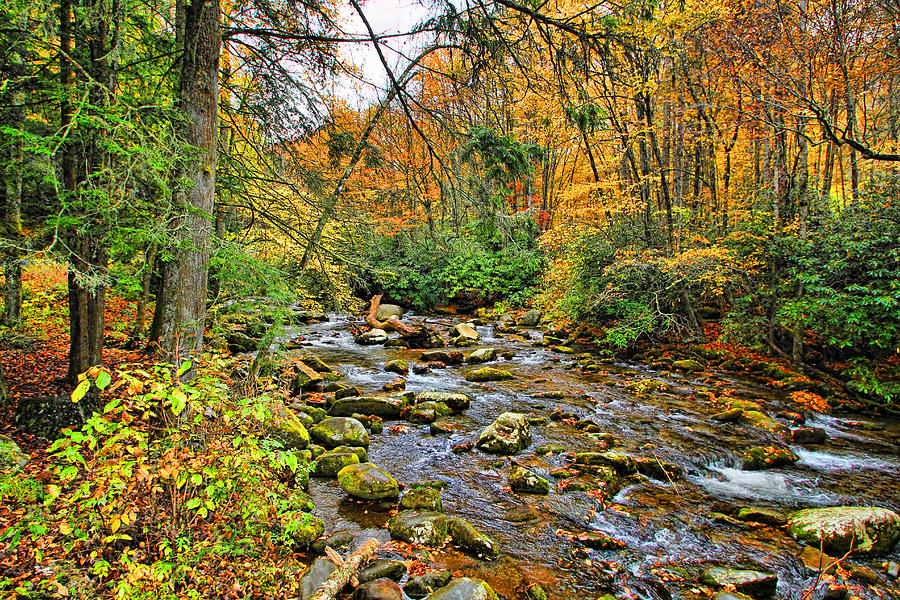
column 417, row 335
column 345, row 571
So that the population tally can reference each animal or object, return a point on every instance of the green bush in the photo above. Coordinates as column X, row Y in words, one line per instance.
column 167, row 486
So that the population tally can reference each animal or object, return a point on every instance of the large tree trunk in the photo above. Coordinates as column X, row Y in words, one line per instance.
column 181, row 304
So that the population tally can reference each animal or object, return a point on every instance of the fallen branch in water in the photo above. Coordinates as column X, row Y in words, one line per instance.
column 345, row 571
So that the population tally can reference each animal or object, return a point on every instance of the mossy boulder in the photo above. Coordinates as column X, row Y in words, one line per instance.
column 386, row 407
column 530, row 318
column 470, row 540
column 11, row 456
column 426, row 528
column 838, row 529
column 368, row 481
column 755, row 418
column 527, row 481
column 309, row 531
column 457, row 401
column 423, row 498
column 465, row 588
column 290, row 431
column 398, row 366
column 759, row 458
column 658, row 469
column 420, row 586
column 508, row 434
column 487, row 374
column 753, row 583
column 331, row 463
column 382, row 568
column 482, row 355
column 689, row 365
column 304, row 378
column 622, row 464
column 340, row 431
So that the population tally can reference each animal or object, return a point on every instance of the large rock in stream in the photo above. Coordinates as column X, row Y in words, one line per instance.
column 838, row 529
column 386, row 407
column 470, row 540
column 759, row 458
column 753, row 583
column 386, row 311
column 465, row 588
column 457, row 401
column 340, row 431
column 508, row 434
column 425, row 528
column 367, row 481
column 487, row 374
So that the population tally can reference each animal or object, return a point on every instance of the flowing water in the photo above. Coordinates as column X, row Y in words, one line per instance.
column 667, row 526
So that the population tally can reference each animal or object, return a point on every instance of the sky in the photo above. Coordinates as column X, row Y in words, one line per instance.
column 385, row 17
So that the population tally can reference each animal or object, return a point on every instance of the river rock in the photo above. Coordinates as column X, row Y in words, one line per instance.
column 424, row 498
column 599, row 541
column 622, row 464
column 11, row 456
column 397, row 385
column 331, row 463
column 658, row 469
column 315, row 363
column 387, row 407
column 426, row 528
column 481, row 355
column 508, row 434
column 372, row 338
column 753, row 583
column 305, row 378
column 869, row 530
column 809, row 435
column 239, row 342
column 382, row 568
column 756, row 418
column 728, row 416
column 487, row 374
column 386, row 311
column 320, row 570
column 420, row 586
column 289, row 430
column 455, row 400
column 348, row 392
column 689, row 365
column 340, row 431
column 465, row 588
column 768, row 457
column 398, row 366
column 368, row 482
column 464, row 331
column 379, row 589
column 530, row 318
column 441, row 356
column 527, row 481
column 472, row 541
column 768, row 516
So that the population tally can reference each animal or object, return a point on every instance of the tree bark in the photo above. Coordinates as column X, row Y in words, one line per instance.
column 181, row 310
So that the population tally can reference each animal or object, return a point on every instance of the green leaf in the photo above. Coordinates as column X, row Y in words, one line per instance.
column 103, row 380
column 179, row 401
column 184, row 368
column 196, row 478
column 81, row 390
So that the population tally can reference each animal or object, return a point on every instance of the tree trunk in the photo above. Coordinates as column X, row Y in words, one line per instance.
column 146, row 279
column 181, row 310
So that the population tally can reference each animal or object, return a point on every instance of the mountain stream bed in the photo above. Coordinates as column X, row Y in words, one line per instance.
column 671, row 529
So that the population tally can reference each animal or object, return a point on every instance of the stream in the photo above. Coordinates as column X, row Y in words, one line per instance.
column 667, row 525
